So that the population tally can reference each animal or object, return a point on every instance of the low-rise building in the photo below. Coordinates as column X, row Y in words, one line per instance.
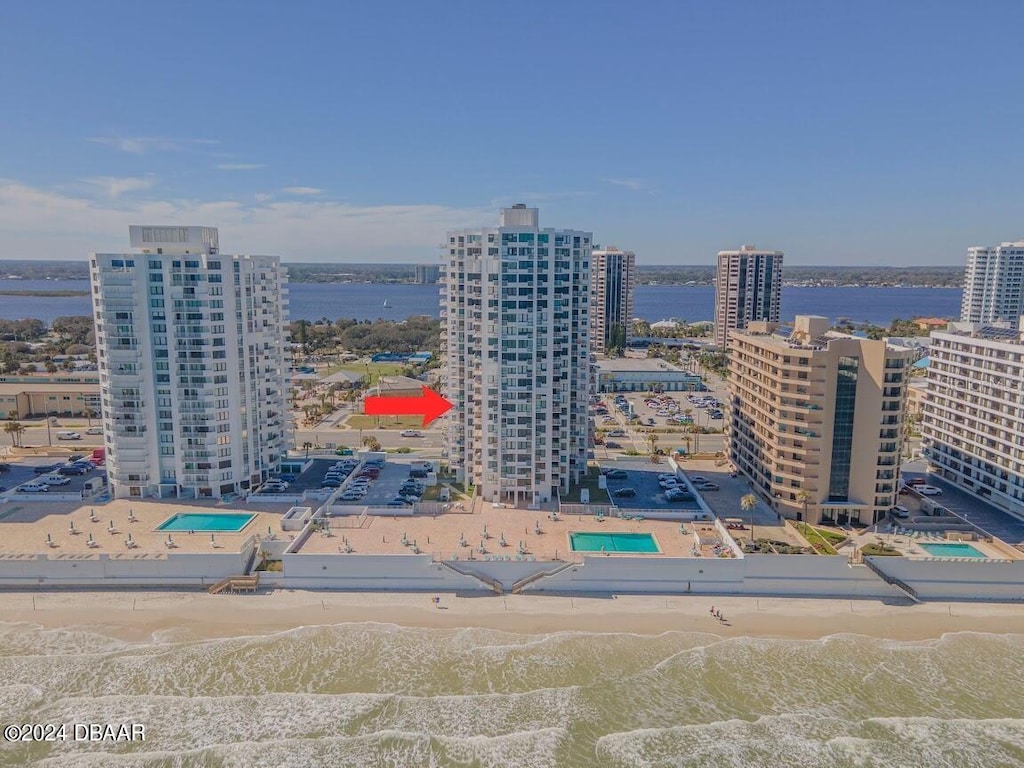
column 642, row 375
column 24, row 397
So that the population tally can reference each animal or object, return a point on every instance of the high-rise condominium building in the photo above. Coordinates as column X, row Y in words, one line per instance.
column 192, row 366
column 515, row 309
column 994, row 284
column 613, row 274
column 748, row 286
column 973, row 415
column 426, row 274
column 816, row 422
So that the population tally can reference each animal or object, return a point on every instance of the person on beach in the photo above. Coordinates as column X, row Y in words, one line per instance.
column 712, row 610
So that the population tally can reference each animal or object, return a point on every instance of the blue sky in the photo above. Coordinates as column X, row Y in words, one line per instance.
column 867, row 132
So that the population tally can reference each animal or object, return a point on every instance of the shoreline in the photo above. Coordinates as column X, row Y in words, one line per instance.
column 145, row 616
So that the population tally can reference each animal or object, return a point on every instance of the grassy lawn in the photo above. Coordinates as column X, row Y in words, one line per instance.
column 376, row 370
column 879, row 549
column 817, row 538
column 362, row 421
column 589, row 481
column 832, row 537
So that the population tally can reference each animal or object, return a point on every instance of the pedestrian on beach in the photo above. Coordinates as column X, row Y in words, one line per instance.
column 712, row 610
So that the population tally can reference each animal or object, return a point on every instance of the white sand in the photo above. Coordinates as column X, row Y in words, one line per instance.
column 138, row 615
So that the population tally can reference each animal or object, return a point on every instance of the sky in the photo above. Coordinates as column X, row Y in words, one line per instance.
column 883, row 133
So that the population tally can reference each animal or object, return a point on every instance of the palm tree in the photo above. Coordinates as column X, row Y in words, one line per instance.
column 88, row 413
column 652, row 441
column 372, row 443
column 748, row 503
column 695, row 431
column 804, row 497
column 14, row 429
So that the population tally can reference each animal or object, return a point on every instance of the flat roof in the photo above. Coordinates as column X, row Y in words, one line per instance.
column 645, row 364
column 92, row 387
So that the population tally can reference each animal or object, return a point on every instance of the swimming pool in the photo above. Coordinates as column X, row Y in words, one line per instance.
column 613, row 542
column 223, row 522
column 952, row 550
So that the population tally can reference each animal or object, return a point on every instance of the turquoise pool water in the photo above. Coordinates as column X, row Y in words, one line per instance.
column 951, row 550
column 613, row 542
column 225, row 522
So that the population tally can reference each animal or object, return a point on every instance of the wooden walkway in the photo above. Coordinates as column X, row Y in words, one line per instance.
column 236, row 584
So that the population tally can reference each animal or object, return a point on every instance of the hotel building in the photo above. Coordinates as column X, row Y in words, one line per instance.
column 191, row 356
column 817, row 419
column 515, row 313
column 748, row 287
column 613, row 273
column 972, row 426
column 994, row 284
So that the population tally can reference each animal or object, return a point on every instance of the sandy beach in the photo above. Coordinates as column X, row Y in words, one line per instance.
column 189, row 615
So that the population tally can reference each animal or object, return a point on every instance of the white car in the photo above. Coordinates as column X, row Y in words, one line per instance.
column 412, row 433
column 68, row 436
column 34, row 488
column 900, row 511
column 669, row 483
column 928, row 490
column 94, row 431
column 54, row 480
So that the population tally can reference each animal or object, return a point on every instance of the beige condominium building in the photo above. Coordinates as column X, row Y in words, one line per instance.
column 972, row 426
column 748, row 287
column 817, row 419
column 613, row 277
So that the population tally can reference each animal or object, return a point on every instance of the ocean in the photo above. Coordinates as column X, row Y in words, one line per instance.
column 362, row 301
column 365, row 695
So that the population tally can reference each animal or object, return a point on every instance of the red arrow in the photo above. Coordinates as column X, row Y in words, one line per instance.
column 431, row 405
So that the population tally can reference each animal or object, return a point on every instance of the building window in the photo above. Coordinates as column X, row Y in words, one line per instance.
column 842, row 430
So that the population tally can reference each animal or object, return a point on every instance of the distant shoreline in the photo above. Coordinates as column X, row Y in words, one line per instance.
column 44, row 294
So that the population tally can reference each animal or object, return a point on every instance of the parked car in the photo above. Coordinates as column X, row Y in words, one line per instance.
column 917, row 481
column 94, row 431
column 351, row 496
column 417, row 473
column 708, row 487
column 54, row 480
column 616, row 474
column 72, row 469
column 68, row 436
column 929, row 490
column 412, row 433
column 34, row 488
column 678, row 494
column 611, row 444
column 617, row 433
column 330, row 483
column 45, row 469
column 398, row 502
column 900, row 511
column 626, row 493
column 670, row 483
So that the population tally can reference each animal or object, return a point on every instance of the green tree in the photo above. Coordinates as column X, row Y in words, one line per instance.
column 748, row 504
column 15, row 430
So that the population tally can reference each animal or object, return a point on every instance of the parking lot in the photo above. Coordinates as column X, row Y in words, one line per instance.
column 642, row 476
column 23, row 472
column 994, row 521
column 384, row 488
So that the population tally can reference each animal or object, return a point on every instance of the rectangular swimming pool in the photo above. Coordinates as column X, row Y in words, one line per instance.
column 214, row 522
column 613, row 542
column 952, row 550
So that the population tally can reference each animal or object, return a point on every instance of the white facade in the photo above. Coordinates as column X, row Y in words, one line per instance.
column 973, row 416
column 994, row 284
column 748, row 286
column 613, row 273
column 515, row 304
column 191, row 356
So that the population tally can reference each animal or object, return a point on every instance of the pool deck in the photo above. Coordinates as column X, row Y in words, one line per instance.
column 439, row 535
column 25, row 527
